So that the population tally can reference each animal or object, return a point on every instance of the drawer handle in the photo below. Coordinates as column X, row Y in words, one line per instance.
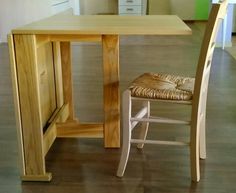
column 129, row 1
column 129, row 9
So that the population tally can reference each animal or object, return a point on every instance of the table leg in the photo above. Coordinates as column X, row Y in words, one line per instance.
column 29, row 101
column 111, row 90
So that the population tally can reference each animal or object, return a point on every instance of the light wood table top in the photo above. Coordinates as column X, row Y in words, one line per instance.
column 67, row 23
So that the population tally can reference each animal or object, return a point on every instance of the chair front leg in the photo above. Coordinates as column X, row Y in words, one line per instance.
column 126, row 106
column 145, row 125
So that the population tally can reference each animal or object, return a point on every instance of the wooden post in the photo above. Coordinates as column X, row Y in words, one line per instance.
column 111, row 90
column 67, row 78
column 32, row 133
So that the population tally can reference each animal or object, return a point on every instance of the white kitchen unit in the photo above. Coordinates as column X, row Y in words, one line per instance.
column 132, row 7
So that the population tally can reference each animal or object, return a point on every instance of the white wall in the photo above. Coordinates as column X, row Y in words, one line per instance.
column 15, row 13
column 60, row 5
column 91, row 7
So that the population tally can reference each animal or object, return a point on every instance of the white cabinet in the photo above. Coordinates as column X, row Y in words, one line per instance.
column 132, row 7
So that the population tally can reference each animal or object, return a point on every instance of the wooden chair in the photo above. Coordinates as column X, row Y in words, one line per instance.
column 174, row 89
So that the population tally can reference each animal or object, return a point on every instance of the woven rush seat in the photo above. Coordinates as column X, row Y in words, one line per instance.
column 162, row 86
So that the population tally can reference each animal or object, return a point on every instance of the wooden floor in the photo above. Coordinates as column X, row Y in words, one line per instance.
column 84, row 166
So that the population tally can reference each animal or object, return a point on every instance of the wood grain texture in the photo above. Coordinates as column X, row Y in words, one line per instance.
column 60, row 115
column 42, row 39
column 66, row 67
column 49, row 137
column 111, row 92
column 29, row 94
column 47, row 90
column 16, row 103
column 80, row 130
column 107, row 24
column 75, row 38
column 58, row 74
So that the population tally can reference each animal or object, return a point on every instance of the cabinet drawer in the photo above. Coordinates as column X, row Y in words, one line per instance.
column 130, row 9
column 130, row 2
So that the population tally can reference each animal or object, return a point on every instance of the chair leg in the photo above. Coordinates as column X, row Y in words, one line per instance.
column 126, row 133
column 194, row 153
column 203, row 129
column 203, row 137
column 145, row 125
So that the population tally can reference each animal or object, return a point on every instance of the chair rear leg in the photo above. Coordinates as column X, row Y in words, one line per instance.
column 145, row 125
column 126, row 105
column 203, row 136
column 124, row 158
column 194, row 153
column 195, row 168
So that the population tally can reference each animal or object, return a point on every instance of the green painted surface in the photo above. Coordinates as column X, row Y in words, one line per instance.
column 201, row 9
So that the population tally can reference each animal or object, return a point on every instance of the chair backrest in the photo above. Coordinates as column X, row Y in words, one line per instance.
column 217, row 14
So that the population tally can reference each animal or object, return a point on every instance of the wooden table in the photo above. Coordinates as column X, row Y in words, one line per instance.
column 42, row 82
